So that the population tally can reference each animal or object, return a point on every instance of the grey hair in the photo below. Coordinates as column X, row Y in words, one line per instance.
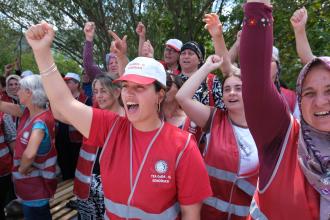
column 33, row 83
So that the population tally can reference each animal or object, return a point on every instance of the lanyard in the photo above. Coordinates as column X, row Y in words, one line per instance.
column 133, row 186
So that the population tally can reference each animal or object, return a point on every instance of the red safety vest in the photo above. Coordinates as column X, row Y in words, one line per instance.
column 165, row 207
column 232, row 193
column 290, row 98
column 84, row 169
column 6, row 158
column 74, row 134
column 41, row 183
column 287, row 195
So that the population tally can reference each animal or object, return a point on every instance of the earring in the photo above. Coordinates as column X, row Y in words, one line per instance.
column 158, row 107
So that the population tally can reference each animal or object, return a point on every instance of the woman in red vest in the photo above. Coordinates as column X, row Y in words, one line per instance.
column 149, row 169
column 294, row 156
column 34, row 164
column 87, row 183
column 230, row 154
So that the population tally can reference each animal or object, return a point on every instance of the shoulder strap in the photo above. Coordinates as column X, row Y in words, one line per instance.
column 209, row 82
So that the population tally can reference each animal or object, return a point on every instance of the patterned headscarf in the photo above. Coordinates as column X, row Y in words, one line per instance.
column 314, row 147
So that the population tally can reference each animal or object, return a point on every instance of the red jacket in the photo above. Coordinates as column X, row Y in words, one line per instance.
column 287, row 195
column 41, row 183
column 232, row 193
column 6, row 159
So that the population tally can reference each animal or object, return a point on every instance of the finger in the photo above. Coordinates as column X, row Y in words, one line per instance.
column 113, row 35
column 124, row 39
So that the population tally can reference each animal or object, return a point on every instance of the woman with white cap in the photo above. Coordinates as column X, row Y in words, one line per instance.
column 146, row 172
column 171, row 51
column 294, row 157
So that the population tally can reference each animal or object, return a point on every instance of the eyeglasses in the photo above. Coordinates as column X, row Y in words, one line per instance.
column 170, row 50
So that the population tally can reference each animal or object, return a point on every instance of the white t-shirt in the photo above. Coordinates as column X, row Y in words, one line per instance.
column 248, row 150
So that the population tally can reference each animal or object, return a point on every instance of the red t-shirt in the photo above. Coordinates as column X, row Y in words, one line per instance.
column 186, row 183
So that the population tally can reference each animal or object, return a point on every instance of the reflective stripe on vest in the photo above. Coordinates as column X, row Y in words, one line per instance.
column 125, row 211
column 81, row 177
column 255, row 212
column 48, row 163
column 231, row 177
column 35, row 173
column 223, row 206
column 87, row 156
column 4, row 151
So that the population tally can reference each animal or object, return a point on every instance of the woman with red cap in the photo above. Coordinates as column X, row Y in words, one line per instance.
column 294, row 157
column 149, row 169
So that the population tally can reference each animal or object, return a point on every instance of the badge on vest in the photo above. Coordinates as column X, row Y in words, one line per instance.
column 161, row 169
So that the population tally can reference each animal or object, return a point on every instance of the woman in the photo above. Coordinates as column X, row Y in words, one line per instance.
column 209, row 92
column 87, row 184
column 34, row 169
column 294, row 168
column 230, row 156
column 146, row 172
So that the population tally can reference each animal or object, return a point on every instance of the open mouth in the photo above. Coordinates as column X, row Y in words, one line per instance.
column 322, row 114
column 132, row 107
column 233, row 101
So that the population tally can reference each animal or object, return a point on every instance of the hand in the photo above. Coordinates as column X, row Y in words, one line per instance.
column 27, row 171
column 299, row 19
column 213, row 24
column 213, row 62
column 118, row 46
column 140, row 29
column 9, row 67
column 147, row 49
column 89, row 31
column 40, row 36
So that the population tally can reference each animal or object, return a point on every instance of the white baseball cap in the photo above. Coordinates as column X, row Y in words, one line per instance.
column 175, row 44
column 144, row 70
column 72, row 76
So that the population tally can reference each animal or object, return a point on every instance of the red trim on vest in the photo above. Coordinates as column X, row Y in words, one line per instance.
column 209, row 81
column 289, row 195
column 35, row 188
column 222, row 152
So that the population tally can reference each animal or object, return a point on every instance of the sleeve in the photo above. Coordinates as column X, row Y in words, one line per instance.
column 39, row 125
column 101, row 123
column 90, row 67
column 217, row 93
column 9, row 128
column 266, row 112
column 192, row 179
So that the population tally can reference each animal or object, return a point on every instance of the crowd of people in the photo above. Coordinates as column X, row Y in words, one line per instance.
column 148, row 139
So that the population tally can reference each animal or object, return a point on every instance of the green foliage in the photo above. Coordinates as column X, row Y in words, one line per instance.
column 163, row 19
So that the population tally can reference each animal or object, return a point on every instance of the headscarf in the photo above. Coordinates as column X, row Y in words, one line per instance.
column 13, row 76
column 314, row 147
column 198, row 49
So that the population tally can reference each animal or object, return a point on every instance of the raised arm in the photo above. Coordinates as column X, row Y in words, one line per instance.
column 298, row 22
column 147, row 50
column 214, row 27
column 141, row 31
column 196, row 111
column 266, row 112
column 40, row 38
column 234, row 50
column 90, row 67
column 119, row 47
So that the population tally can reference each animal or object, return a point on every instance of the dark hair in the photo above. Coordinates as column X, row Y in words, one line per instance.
column 170, row 79
column 236, row 73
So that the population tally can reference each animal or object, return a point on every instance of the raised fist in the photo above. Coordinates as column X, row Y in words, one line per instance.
column 299, row 19
column 89, row 31
column 40, row 36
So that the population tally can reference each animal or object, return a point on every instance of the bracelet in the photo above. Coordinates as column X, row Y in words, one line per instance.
column 50, row 70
